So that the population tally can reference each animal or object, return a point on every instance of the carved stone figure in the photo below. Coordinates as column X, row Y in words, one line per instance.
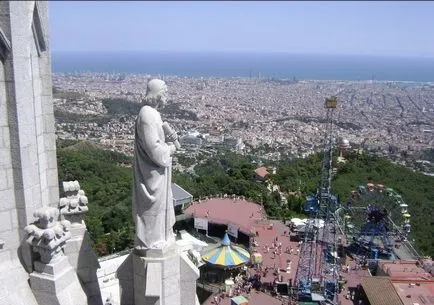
column 154, row 145
column 74, row 204
column 47, row 236
column 53, row 280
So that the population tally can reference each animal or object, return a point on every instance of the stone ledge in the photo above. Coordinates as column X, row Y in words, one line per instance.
column 52, row 268
column 157, row 254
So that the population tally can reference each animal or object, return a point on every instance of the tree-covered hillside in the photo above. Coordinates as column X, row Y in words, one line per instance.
column 107, row 181
column 416, row 189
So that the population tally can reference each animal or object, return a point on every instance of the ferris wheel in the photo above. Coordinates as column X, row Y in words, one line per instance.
column 375, row 218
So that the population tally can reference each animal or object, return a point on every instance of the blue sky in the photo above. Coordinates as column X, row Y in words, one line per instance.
column 341, row 27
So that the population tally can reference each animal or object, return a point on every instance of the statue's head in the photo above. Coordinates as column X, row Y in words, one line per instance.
column 156, row 93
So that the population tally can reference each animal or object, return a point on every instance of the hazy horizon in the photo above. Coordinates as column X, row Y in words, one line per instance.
column 393, row 56
column 242, row 64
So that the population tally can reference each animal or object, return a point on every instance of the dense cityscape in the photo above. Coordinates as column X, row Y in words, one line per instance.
column 246, row 114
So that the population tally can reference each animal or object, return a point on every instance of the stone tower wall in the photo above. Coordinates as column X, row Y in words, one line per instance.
column 28, row 167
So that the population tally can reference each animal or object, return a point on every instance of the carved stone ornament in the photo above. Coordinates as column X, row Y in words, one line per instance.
column 47, row 235
column 74, row 203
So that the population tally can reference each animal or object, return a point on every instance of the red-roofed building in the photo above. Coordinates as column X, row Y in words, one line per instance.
column 414, row 292
column 399, row 282
column 261, row 173
column 402, row 269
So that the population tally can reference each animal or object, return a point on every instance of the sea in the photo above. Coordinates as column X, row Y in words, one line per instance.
column 263, row 65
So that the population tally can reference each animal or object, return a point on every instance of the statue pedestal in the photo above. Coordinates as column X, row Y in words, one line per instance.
column 56, row 284
column 157, row 277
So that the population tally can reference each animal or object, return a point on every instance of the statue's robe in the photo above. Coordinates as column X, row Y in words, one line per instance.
column 153, row 211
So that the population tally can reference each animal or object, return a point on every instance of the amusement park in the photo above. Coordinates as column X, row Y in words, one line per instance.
column 349, row 250
column 332, row 256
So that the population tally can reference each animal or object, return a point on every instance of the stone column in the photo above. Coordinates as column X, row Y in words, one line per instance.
column 53, row 280
column 78, row 248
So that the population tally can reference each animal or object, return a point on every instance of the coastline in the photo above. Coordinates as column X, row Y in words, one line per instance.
column 282, row 66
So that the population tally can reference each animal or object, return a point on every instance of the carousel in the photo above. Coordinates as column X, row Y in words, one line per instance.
column 223, row 261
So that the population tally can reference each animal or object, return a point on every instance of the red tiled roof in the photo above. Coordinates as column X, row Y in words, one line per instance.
column 404, row 269
column 415, row 293
column 239, row 212
column 380, row 291
column 262, row 172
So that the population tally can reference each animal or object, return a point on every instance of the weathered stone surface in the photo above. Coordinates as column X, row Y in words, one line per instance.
column 28, row 165
column 189, row 275
column 157, row 279
column 78, row 249
column 53, row 281
column 126, row 281
column 5, row 221
column 57, row 285
column 46, row 235
column 74, row 203
column 14, row 281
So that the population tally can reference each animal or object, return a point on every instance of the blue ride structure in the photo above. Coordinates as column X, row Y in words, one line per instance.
column 317, row 271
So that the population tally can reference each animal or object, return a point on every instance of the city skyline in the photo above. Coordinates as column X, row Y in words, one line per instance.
column 353, row 28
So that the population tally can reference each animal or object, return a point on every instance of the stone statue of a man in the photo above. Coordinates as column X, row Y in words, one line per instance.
column 153, row 211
